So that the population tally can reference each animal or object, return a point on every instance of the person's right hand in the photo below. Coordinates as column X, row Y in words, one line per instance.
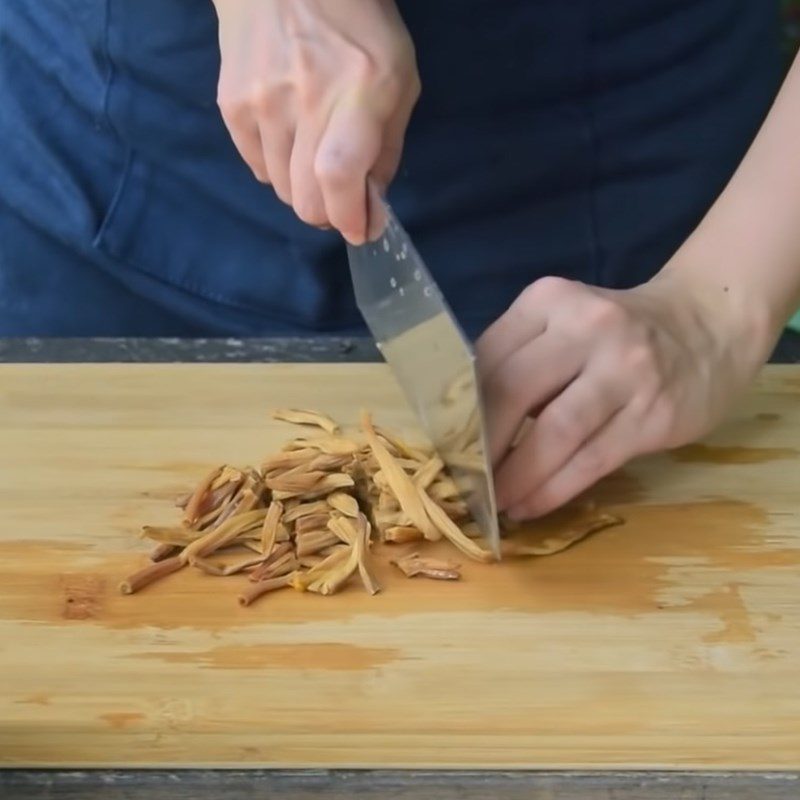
column 317, row 95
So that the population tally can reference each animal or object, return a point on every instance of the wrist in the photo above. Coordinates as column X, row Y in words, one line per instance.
column 742, row 318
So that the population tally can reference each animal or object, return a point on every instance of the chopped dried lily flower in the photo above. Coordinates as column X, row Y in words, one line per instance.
column 402, row 533
column 311, row 543
column 296, row 484
column 437, row 569
column 311, row 522
column 455, row 509
column 343, row 529
column 428, row 472
column 555, row 544
column 453, row 532
column 263, row 569
column 444, row 488
column 191, row 512
column 178, row 535
column 344, row 503
column 401, row 485
column 304, row 515
column 289, row 459
column 331, row 482
column 330, row 461
column 269, row 531
column 300, row 416
column 306, row 509
column 388, row 502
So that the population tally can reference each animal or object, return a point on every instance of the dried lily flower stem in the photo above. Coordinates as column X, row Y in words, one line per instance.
column 263, row 571
column 255, row 590
column 163, row 550
column 151, row 573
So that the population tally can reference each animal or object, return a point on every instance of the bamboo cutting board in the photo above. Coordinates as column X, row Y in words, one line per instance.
column 673, row 641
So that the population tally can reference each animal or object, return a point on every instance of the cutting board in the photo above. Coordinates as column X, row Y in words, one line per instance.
column 672, row 641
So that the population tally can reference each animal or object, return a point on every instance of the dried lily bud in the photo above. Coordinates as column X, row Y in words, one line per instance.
column 555, row 544
column 302, row 417
column 399, row 534
column 313, row 534
column 437, row 569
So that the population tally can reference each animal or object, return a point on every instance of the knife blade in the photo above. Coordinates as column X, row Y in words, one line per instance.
column 431, row 358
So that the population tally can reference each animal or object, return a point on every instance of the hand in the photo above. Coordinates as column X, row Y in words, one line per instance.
column 607, row 375
column 317, row 95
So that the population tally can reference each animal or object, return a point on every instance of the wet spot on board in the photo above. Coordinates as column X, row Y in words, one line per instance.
column 714, row 454
column 326, row 656
column 628, row 570
column 766, row 416
column 119, row 720
column 38, row 699
column 727, row 605
column 82, row 596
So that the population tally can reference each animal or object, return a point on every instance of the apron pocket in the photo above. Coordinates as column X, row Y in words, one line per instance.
column 163, row 226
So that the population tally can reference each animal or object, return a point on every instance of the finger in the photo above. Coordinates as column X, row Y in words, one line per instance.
column 530, row 376
column 306, row 195
column 245, row 136
column 347, row 152
column 388, row 160
column 568, row 421
column 526, row 318
column 277, row 141
column 609, row 449
column 376, row 211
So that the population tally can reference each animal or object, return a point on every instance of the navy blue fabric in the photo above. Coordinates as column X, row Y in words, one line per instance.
column 581, row 139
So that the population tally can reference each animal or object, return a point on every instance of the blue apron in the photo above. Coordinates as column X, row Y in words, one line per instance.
column 580, row 139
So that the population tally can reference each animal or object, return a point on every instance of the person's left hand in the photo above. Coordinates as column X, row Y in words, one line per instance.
column 606, row 375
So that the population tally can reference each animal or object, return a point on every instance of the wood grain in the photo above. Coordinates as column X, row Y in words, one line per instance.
column 672, row 642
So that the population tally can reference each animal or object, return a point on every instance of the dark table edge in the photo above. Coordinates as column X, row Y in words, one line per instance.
column 316, row 349
column 310, row 349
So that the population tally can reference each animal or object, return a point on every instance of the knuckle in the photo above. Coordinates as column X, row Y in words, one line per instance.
column 231, row 107
column 604, row 313
column 641, row 359
column 259, row 98
column 334, row 167
column 544, row 290
column 362, row 68
column 563, row 422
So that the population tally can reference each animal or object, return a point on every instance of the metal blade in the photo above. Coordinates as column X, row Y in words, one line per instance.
column 432, row 360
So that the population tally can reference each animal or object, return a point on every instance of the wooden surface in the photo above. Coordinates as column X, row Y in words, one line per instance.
column 671, row 642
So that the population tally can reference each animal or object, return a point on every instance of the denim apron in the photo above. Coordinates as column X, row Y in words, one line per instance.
column 577, row 138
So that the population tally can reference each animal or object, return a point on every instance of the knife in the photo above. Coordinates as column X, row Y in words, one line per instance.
column 431, row 358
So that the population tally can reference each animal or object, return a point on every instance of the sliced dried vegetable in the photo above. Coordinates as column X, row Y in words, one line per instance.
column 311, row 516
